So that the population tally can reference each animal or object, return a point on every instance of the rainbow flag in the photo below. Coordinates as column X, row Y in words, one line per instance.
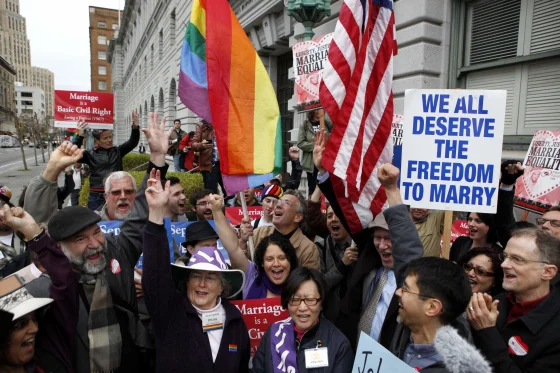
column 193, row 83
column 224, row 81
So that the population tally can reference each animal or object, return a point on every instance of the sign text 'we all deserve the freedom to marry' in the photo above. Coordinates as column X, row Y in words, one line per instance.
column 453, row 152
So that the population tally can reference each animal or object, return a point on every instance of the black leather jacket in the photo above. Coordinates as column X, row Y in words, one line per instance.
column 104, row 161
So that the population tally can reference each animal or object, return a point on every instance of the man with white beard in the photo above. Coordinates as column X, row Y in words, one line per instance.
column 120, row 191
column 108, row 308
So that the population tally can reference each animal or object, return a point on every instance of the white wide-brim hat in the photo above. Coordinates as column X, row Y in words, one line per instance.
column 210, row 259
column 19, row 302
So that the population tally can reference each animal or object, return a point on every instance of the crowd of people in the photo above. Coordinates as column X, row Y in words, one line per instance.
column 75, row 300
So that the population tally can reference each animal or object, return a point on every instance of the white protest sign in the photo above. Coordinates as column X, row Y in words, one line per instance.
column 372, row 357
column 453, row 150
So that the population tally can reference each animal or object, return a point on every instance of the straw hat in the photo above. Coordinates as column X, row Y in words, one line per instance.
column 210, row 259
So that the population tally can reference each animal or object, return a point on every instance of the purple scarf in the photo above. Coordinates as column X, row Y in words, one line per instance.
column 282, row 346
column 261, row 284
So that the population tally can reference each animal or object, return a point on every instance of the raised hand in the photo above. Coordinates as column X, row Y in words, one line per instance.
column 158, row 138
column 320, row 142
column 388, row 176
column 65, row 155
column 19, row 220
column 511, row 170
column 294, row 153
column 81, row 127
column 135, row 118
column 216, row 202
column 156, row 195
column 245, row 230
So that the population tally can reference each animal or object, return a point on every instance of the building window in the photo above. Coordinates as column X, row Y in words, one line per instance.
column 102, row 55
column 26, row 94
column 160, row 44
column 102, row 70
column 101, row 25
column 102, row 39
column 172, row 28
column 102, row 85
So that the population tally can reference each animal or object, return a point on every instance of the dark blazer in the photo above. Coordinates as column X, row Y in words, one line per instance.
column 539, row 330
column 341, row 356
column 181, row 345
column 406, row 247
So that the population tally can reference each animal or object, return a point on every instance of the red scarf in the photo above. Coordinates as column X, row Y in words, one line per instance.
column 519, row 309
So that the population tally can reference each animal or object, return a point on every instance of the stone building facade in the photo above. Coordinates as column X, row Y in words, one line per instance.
column 103, row 25
column 493, row 44
column 7, row 96
column 14, row 47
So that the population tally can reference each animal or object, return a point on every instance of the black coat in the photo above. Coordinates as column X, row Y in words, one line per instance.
column 539, row 330
column 341, row 356
column 181, row 345
column 104, row 161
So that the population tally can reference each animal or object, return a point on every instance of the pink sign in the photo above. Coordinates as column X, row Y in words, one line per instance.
column 538, row 188
column 309, row 61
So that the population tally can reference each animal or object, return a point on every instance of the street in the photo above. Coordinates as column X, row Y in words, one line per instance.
column 11, row 163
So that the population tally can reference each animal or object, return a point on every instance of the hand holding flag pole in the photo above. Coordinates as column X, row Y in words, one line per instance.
column 241, row 196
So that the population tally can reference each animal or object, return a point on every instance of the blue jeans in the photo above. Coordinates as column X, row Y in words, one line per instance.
column 177, row 163
column 95, row 200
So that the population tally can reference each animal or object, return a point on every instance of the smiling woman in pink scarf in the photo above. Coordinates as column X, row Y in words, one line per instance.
column 305, row 340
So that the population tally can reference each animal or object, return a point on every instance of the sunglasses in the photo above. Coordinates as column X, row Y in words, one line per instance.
column 479, row 271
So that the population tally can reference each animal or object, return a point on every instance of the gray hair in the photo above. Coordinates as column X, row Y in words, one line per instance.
column 548, row 246
column 302, row 208
column 117, row 175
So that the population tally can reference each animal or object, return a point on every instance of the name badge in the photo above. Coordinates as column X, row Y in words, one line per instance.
column 212, row 321
column 316, row 357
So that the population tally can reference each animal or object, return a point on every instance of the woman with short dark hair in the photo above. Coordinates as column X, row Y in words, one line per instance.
column 290, row 343
column 275, row 258
column 484, row 270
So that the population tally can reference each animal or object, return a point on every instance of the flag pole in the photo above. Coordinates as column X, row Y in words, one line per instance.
column 447, row 222
column 241, row 196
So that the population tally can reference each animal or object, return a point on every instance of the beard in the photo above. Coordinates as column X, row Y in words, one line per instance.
column 80, row 262
column 122, row 215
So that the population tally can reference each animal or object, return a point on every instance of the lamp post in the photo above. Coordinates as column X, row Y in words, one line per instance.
column 309, row 12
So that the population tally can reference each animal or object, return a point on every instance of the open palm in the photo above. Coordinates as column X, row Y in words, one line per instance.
column 158, row 138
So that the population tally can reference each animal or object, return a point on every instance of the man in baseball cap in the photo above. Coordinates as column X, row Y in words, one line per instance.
column 270, row 196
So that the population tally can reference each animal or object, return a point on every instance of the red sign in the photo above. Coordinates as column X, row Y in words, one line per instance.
column 95, row 108
column 235, row 214
column 459, row 228
column 539, row 187
column 258, row 315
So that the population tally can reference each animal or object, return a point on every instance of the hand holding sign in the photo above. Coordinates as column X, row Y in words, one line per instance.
column 81, row 127
column 511, row 170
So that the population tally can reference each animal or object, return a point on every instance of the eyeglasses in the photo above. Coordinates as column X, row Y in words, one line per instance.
column 307, row 301
column 197, row 277
column 404, row 289
column 518, row 260
column 553, row 222
column 380, row 238
column 202, row 204
column 479, row 271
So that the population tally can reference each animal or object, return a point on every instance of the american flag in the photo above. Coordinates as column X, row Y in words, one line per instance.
column 356, row 94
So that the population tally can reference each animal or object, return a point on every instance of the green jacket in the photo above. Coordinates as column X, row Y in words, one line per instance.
column 305, row 143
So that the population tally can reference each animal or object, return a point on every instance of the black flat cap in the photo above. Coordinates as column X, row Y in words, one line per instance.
column 201, row 230
column 70, row 221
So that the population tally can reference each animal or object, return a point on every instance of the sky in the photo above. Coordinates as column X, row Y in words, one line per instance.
column 58, row 32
